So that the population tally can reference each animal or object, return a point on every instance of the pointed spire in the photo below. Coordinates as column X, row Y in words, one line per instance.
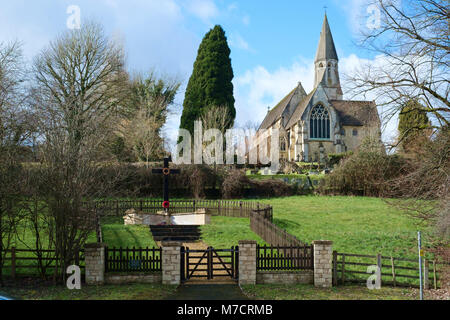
column 326, row 50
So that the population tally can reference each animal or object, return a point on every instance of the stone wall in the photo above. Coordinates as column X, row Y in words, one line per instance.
column 133, row 278
column 323, row 256
column 171, row 263
column 247, row 262
column 95, row 263
column 300, row 277
column 199, row 218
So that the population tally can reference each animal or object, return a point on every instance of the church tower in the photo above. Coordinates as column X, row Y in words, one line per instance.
column 326, row 64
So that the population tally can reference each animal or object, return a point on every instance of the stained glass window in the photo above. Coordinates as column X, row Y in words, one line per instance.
column 320, row 123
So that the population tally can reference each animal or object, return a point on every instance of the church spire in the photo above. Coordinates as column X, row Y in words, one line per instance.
column 326, row 49
column 327, row 64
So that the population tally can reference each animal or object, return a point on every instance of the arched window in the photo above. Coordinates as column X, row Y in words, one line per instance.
column 282, row 144
column 320, row 123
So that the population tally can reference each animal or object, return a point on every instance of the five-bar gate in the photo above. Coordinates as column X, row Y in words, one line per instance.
column 209, row 264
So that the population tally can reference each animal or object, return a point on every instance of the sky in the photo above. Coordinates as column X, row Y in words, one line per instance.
column 273, row 43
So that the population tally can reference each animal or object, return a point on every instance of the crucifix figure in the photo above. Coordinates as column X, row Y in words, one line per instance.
column 166, row 171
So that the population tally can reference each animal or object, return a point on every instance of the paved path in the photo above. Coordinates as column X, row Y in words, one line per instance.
column 208, row 292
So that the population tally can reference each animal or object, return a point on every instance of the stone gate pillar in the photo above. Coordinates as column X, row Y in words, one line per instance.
column 94, row 258
column 323, row 270
column 171, row 263
column 247, row 262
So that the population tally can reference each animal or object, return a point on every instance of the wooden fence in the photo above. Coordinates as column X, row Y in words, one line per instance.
column 27, row 262
column 226, row 208
column 133, row 260
column 278, row 258
column 395, row 271
column 271, row 233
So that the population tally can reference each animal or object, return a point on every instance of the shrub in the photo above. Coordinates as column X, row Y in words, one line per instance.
column 234, row 184
column 365, row 173
column 272, row 188
column 335, row 158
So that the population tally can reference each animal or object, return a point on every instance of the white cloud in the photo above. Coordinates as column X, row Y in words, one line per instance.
column 259, row 88
column 203, row 9
column 237, row 41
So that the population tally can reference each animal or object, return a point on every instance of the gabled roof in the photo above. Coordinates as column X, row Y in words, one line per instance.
column 300, row 108
column 326, row 49
column 356, row 113
column 275, row 114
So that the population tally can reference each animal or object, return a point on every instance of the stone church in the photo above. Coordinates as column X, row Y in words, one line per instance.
column 321, row 122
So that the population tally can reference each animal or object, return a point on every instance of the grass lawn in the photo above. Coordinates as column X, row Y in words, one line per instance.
column 116, row 234
column 105, row 292
column 224, row 232
column 354, row 224
column 308, row 292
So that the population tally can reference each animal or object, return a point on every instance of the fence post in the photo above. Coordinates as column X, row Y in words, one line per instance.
column 393, row 272
column 94, row 258
column 434, row 275
column 240, row 209
column 335, row 282
column 117, row 208
column 379, row 265
column 425, row 276
column 171, row 263
column 323, row 255
column 343, row 269
column 247, row 262
column 13, row 263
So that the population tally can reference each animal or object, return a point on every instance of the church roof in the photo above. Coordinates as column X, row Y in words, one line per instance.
column 356, row 113
column 275, row 114
column 326, row 49
column 300, row 108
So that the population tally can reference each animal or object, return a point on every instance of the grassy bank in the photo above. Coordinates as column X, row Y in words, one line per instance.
column 309, row 292
column 354, row 224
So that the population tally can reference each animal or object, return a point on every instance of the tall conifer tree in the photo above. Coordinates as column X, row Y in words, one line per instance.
column 210, row 84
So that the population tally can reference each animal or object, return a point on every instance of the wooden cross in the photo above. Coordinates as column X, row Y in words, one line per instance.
column 166, row 171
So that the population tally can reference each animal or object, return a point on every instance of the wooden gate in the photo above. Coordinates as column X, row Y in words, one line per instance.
column 209, row 264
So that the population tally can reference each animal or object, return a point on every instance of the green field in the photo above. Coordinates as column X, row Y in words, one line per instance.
column 116, row 234
column 354, row 224
column 226, row 232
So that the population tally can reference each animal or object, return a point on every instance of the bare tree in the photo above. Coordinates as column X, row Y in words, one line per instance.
column 150, row 104
column 14, row 131
column 412, row 47
column 215, row 117
column 80, row 84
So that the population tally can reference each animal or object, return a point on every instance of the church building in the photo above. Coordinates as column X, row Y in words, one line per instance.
column 321, row 122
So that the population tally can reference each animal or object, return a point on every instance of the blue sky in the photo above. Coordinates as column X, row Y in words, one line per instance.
column 273, row 43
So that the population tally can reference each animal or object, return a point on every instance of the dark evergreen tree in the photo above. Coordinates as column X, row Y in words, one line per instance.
column 210, row 84
column 413, row 124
